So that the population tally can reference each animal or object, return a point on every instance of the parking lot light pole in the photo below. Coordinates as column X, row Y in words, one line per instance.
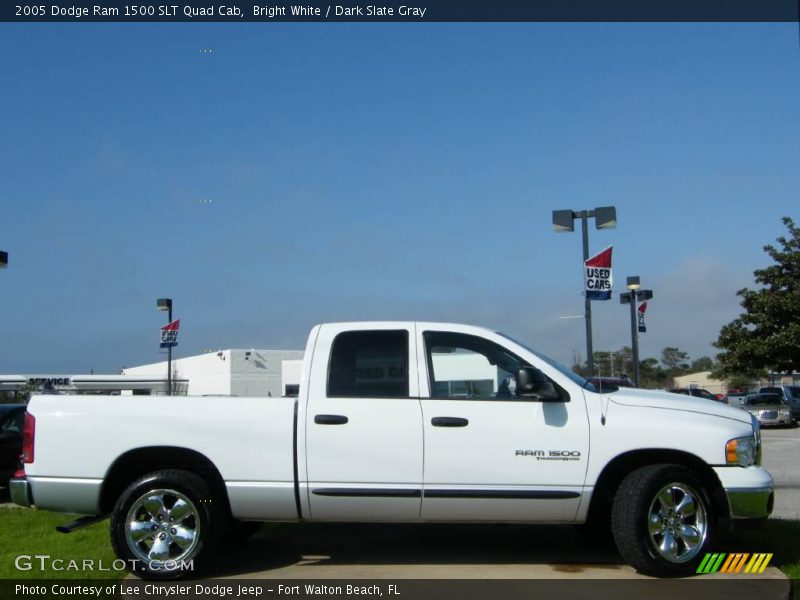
column 632, row 297
column 166, row 304
column 605, row 217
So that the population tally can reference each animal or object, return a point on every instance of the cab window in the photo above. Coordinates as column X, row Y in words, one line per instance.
column 369, row 364
column 464, row 366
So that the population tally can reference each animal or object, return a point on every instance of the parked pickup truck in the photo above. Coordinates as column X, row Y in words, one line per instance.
column 400, row 422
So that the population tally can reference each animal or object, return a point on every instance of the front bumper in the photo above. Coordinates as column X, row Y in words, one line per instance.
column 777, row 421
column 750, row 491
column 750, row 504
column 20, row 492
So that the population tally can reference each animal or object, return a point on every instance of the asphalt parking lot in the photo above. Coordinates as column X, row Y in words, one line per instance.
column 781, row 457
column 356, row 551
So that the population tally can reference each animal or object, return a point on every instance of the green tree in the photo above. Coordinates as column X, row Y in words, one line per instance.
column 651, row 375
column 765, row 336
column 739, row 382
column 704, row 363
column 675, row 360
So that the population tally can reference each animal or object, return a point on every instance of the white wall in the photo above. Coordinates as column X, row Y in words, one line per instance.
column 701, row 379
column 260, row 373
column 227, row 372
column 291, row 372
column 207, row 373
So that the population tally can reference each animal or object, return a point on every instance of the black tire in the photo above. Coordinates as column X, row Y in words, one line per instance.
column 679, row 536
column 165, row 516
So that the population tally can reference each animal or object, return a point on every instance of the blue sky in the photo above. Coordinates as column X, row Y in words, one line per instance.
column 360, row 171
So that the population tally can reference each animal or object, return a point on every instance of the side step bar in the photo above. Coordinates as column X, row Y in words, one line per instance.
column 79, row 523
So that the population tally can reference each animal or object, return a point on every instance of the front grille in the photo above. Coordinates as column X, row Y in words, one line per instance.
column 769, row 414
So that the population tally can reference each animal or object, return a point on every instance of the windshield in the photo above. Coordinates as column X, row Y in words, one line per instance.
column 764, row 399
column 581, row 381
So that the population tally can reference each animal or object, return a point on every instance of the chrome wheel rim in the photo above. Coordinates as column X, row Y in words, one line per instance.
column 677, row 523
column 162, row 526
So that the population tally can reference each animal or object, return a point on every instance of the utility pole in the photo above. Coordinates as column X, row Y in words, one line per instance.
column 166, row 304
column 632, row 297
column 605, row 217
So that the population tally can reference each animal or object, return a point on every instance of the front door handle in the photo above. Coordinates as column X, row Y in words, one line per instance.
column 449, row 422
column 330, row 419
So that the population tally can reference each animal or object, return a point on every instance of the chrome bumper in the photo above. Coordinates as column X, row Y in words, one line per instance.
column 750, row 503
column 20, row 492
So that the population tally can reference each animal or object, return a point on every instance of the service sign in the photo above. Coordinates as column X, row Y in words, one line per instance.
column 169, row 334
column 597, row 275
column 640, row 310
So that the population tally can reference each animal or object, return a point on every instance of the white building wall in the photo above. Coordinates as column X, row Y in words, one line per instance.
column 207, row 373
column 259, row 372
column 227, row 372
column 291, row 372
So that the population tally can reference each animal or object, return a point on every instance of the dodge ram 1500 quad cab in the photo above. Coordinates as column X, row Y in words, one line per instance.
column 400, row 422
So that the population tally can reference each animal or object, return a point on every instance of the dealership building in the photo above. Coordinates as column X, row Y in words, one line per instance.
column 225, row 372
column 81, row 384
column 229, row 373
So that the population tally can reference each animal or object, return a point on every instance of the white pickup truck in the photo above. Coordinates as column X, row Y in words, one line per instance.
column 400, row 422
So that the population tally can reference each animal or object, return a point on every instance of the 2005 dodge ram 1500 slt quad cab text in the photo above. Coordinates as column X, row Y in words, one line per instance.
column 400, row 422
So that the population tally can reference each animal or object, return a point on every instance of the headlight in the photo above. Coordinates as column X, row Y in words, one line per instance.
column 741, row 451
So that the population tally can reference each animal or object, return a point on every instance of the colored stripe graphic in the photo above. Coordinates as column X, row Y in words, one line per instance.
column 734, row 562
column 758, row 563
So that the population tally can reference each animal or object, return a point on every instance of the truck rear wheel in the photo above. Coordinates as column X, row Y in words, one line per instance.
column 662, row 520
column 165, row 524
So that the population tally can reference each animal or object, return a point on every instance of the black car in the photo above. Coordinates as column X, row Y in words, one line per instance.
column 12, row 418
column 610, row 384
column 697, row 393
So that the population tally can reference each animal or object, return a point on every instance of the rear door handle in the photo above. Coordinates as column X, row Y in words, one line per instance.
column 449, row 422
column 330, row 419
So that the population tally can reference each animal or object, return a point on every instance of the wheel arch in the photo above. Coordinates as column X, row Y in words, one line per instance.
column 616, row 469
column 137, row 462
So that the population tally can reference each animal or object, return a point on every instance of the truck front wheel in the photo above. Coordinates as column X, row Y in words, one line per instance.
column 662, row 520
column 164, row 524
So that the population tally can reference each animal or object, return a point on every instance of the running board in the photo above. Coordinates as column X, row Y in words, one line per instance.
column 79, row 523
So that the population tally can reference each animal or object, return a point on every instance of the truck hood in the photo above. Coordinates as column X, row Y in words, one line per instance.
column 659, row 399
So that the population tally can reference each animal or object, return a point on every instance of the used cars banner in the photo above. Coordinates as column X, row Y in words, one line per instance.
column 597, row 275
column 169, row 334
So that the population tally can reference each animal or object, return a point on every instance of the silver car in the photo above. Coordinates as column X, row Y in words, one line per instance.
column 790, row 394
column 769, row 409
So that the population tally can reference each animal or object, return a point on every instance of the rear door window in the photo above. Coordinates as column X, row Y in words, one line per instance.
column 369, row 364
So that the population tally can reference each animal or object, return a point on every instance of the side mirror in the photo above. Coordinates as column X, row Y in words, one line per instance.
column 532, row 382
